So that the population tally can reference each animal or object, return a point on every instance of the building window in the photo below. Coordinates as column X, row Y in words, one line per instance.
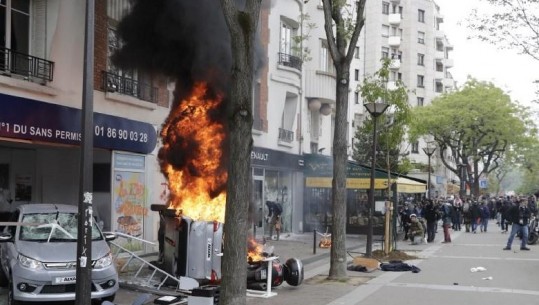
column 421, row 81
column 439, row 66
column 16, row 35
column 421, row 37
column 420, row 101
column 421, row 16
column 356, row 74
column 395, row 76
column 22, row 39
column 438, row 86
column 396, row 54
column 385, row 52
column 356, row 97
column 395, row 31
column 356, row 53
column 124, row 81
column 326, row 63
column 385, row 8
column 415, row 148
column 286, row 133
column 289, row 53
column 289, row 30
column 385, row 30
column 420, row 59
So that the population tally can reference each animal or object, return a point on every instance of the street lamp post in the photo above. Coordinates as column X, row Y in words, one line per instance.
column 375, row 109
column 429, row 151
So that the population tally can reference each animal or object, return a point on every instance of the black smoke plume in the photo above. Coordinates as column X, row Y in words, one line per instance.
column 187, row 41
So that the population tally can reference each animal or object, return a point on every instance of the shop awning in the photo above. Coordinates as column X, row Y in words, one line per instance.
column 452, row 189
column 405, row 185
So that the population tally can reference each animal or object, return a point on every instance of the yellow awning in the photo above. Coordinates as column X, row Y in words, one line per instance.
column 405, row 185
column 351, row 183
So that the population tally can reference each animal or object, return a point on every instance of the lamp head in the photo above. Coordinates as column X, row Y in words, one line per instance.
column 429, row 150
column 376, row 109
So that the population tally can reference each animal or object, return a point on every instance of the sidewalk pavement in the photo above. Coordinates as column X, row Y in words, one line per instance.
column 446, row 275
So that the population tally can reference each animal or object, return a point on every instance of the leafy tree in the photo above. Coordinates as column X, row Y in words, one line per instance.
column 529, row 169
column 474, row 127
column 510, row 24
column 391, row 134
column 342, row 39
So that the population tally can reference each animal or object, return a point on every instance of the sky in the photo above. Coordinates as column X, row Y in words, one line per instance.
column 512, row 72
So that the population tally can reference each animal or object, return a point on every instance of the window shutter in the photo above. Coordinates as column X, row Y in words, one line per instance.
column 38, row 17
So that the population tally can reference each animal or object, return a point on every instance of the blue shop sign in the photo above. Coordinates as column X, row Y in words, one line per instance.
column 27, row 119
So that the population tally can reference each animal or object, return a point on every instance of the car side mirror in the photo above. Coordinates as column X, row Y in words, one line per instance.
column 5, row 237
column 109, row 236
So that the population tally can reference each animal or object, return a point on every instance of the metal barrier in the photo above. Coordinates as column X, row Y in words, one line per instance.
column 154, row 277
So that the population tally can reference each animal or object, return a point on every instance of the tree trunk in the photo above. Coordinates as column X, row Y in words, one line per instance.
column 341, row 52
column 338, row 237
column 242, row 26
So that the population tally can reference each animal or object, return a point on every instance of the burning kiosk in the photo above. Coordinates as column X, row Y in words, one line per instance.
column 193, row 249
column 193, row 161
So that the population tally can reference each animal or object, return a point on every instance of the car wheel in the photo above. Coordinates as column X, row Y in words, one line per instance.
column 10, row 295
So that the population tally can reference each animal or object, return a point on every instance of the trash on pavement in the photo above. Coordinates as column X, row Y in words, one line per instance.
column 478, row 269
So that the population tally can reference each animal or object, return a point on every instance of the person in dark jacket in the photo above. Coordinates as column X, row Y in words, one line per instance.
column 485, row 216
column 476, row 216
column 431, row 216
column 447, row 216
column 504, row 221
column 520, row 217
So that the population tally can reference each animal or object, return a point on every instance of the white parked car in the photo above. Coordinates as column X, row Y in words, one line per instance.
column 38, row 256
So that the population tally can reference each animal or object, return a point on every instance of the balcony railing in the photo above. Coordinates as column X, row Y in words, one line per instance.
column 28, row 66
column 290, row 61
column 286, row 135
column 123, row 85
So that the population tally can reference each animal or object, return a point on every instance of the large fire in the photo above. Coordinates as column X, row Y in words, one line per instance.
column 190, row 135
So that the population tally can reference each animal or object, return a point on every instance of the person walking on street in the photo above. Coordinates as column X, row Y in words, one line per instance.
column 520, row 217
column 457, row 216
column 447, row 216
column 485, row 216
column 476, row 216
column 504, row 221
column 431, row 216
column 467, row 215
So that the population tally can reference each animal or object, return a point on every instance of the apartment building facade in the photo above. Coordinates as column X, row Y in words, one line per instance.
column 41, row 78
column 294, row 113
column 41, row 98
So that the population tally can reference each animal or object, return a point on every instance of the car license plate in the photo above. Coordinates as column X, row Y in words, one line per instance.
column 65, row 280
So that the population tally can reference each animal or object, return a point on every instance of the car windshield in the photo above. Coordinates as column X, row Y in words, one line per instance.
column 53, row 227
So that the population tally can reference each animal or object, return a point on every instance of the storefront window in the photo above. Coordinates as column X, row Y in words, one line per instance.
column 277, row 186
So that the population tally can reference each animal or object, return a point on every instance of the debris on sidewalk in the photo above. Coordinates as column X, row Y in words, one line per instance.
column 364, row 264
column 325, row 239
column 399, row 266
column 488, row 278
column 478, row 269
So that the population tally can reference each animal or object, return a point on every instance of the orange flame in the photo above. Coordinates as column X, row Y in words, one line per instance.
column 197, row 188
column 255, row 251
column 325, row 242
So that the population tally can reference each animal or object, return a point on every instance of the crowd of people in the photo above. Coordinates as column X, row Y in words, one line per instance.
column 420, row 220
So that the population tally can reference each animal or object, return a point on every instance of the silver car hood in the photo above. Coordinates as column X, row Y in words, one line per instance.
column 59, row 251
